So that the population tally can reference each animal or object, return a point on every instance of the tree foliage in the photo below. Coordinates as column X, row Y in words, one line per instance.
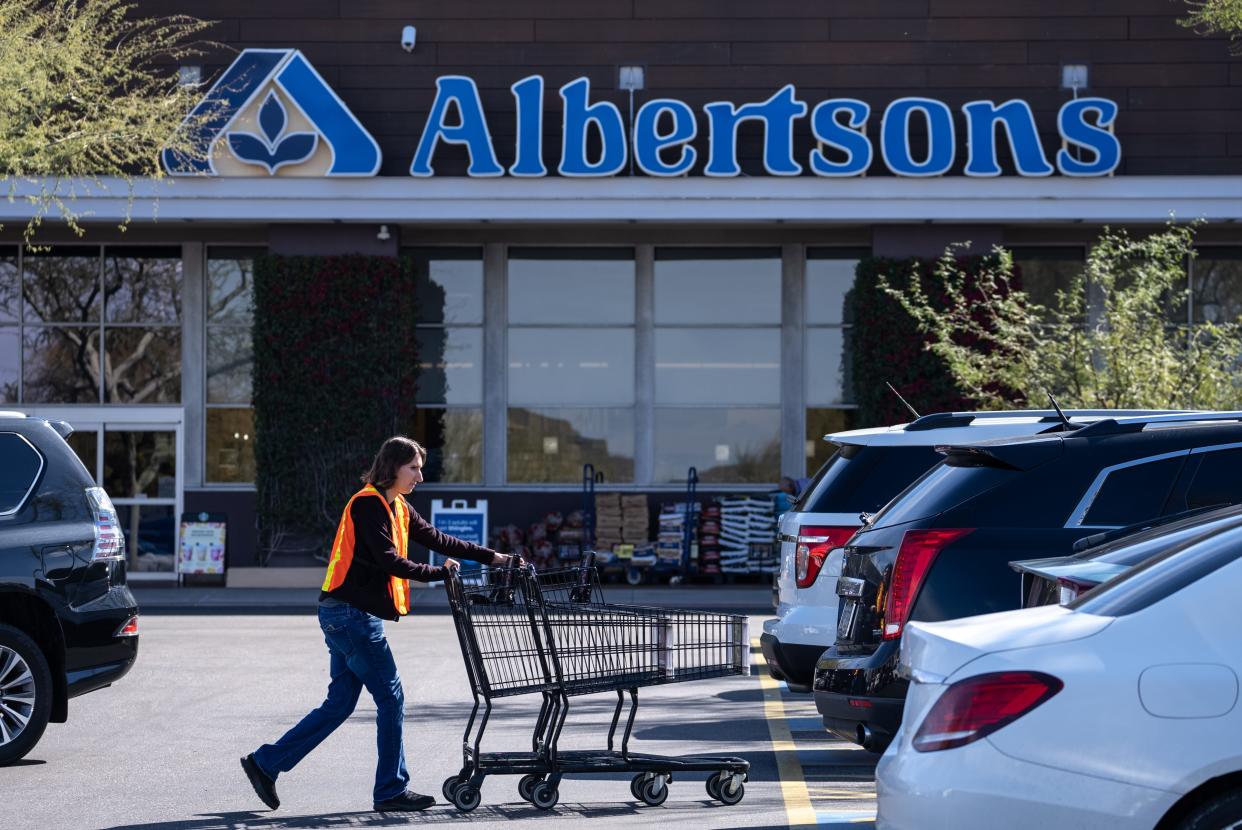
column 87, row 91
column 1116, row 338
column 1213, row 17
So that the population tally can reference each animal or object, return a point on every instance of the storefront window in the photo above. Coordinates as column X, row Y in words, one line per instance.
column 60, row 364
column 827, row 375
column 717, row 364
column 10, row 286
column 61, row 285
column 821, row 422
column 571, row 363
column 1044, row 270
column 1216, row 285
column 449, row 418
column 230, row 364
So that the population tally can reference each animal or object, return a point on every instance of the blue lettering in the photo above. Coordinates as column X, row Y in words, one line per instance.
column 579, row 116
column 1019, row 123
column 777, row 114
column 471, row 130
column 528, row 93
column 649, row 141
column 895, row 137
column 849, row 137
column 1096, row 138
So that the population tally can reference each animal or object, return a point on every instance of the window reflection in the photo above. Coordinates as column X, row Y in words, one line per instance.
column 10, row 363
column 448, row 284
column 718, row 285
column 821, row 422
column 827, row 366
column 829, row 278
column 61, row 285
column 230, row 445
column 552, row 445
column 571, row 286
column 1216, row 296
column 10, row 286
column 454, row 442
column 230, row 361
column 142, row 365
column 734, row 445
column 230, row 285
column 142, row 285
column 571, row 366
column 140, row 463
column 1042, row 272
column 61, row 365
column 450, row 362
column 718, row 366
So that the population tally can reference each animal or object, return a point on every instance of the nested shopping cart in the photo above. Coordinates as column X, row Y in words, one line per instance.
column 551, row 634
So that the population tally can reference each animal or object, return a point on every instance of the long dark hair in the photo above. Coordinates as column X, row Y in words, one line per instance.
column 396, row 452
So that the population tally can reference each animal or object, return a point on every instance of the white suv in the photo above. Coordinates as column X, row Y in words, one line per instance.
column 869, row 468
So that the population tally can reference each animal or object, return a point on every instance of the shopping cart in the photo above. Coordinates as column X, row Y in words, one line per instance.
column 552, row 634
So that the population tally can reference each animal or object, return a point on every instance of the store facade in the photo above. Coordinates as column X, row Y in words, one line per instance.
column 634, row 224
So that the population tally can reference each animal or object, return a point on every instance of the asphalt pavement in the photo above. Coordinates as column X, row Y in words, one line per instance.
column 159, row 750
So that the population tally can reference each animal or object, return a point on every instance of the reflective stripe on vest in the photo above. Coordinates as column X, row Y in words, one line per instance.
column 343, row 547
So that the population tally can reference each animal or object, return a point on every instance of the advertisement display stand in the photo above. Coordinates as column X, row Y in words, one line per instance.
column 201, row 550
column 465, row 521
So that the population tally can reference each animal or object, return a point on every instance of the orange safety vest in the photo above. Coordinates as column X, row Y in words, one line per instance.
column 343, row 547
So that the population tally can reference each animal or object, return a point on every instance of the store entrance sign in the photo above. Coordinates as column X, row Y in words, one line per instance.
column 462, row 519
column 664, row 129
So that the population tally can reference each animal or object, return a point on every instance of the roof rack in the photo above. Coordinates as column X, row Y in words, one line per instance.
column 1136, row 423
column 940, row 420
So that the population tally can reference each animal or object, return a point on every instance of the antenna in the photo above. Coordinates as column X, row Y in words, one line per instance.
column 904, row 402
column 1060, row 412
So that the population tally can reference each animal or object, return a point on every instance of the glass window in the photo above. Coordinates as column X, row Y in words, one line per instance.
column 454, row 442
column 230, row 445
column 450, row 362
column 448, row 284
column 230, row 362
column 550, row 366
column 1133, row 494
column 22, row 464
column 1216, row 292
column 829, row 279
column 571, row 286
column 1217, row 479
column 62, row 285
column 61, row 365
column 150, row 535
column 143, row 365
column 552, row 445
column 230, row 285
column 10, row 363
column 10, row 286
column 866, row 478
column 142, row 285
column 140, row 463
column 821, row 422
column 827, row 367
column 733, row 445
column 718, row 366
column 718, row 285
column 1043, row 271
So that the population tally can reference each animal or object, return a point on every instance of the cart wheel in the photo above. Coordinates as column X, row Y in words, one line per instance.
column 713, row 785
column 633, row 576
column 654, row 791
column 466, row 797
column 732, row 789
column 527, row 784
column 636, row 784
column 543, row 796
column 674, row 580
column 450, row 786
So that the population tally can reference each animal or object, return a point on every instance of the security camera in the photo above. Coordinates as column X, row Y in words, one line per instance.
column 408, row 36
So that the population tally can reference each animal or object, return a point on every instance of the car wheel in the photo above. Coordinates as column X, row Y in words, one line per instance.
column 25, row 694
column 1220, row 812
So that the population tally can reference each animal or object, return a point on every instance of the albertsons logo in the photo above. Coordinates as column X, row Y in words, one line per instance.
column 272, row 114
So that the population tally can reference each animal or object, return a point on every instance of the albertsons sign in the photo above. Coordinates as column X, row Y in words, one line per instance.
column 270, row 113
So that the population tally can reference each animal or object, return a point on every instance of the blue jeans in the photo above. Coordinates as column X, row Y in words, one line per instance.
column 359, row 657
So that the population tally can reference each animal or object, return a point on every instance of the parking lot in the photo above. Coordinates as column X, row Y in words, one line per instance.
column 159, row 750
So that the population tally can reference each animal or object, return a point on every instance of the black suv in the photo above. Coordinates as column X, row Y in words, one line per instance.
column 68, row 622
column 941, row 549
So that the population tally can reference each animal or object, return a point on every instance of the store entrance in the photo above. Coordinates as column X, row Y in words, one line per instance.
column 135, row 453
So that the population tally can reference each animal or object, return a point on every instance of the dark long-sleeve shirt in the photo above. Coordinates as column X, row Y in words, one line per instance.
column 376, row 559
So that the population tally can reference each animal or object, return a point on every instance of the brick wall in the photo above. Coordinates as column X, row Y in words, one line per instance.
column 1179, row 93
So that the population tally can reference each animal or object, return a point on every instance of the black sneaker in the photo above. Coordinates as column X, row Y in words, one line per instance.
column 264, row 787
column 408, row 802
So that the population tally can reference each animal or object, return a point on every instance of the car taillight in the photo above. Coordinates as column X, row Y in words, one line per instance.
column 814, row 544
column 1071, row 589
column 109, row 540
column 978, row 706
column 129, row 629
column 919, row 548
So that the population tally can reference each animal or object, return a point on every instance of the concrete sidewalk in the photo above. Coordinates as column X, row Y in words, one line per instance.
column 748, row 599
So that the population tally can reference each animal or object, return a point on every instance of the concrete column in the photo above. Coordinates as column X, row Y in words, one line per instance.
column 644, row 364
column 193, row 362
column 793, row 373
column 495, row 364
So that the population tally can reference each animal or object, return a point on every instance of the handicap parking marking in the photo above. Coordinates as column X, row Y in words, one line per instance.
column 824, row 780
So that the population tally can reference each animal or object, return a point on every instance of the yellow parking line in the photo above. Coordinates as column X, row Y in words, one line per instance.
column 798, row 809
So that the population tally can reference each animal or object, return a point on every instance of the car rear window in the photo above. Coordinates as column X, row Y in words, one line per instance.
column 1132, row 494
column 1161, row 576
column 21, row 468
column 941, row 488
column 857, row 478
